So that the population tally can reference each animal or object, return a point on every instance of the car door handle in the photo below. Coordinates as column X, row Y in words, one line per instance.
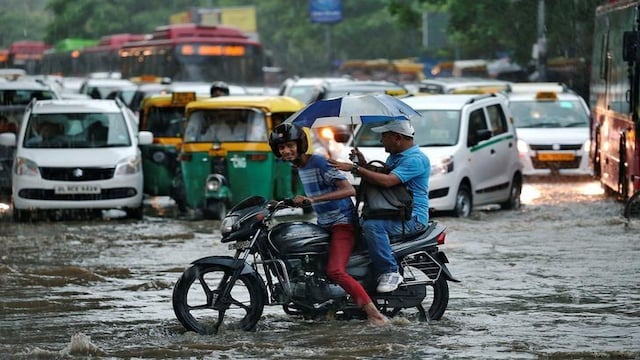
column 493, row 151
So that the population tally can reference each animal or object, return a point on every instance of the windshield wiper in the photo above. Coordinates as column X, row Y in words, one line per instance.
column 577, row 124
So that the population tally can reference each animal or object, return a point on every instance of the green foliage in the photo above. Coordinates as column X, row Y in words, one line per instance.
column 369, row 29
column 481, row 29
column 22, row 20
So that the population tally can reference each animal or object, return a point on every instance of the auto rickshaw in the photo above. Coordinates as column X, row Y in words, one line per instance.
column 225, row 155
column 163, row 115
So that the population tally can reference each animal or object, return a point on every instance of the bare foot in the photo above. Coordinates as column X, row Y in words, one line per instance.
column 374, row 316
column 378, row 320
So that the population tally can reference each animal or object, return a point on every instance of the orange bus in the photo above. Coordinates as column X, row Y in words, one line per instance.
column 615, row 102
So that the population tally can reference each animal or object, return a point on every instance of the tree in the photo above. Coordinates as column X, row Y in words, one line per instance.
column 485, row 28
column 367, row 31
column 91, row 19
column 22, row 20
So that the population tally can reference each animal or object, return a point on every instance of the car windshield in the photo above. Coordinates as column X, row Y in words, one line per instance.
column 226, row 125
column 23, row 97
column 304, row 93
column 77, row 131
column 435, row 128
column 549, row 114
column 165, row 121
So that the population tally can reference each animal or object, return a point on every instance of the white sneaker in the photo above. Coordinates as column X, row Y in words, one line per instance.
column 388, row 282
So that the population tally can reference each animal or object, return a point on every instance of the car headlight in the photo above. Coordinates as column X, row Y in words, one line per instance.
column 587, row 146
column 442, row 166
column 26, row 167
column 523, row 147
column 129, row 166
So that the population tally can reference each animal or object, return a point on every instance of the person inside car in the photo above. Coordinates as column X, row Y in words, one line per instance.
column 219, row 88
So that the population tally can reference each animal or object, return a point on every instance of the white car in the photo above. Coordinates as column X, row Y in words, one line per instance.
column 77, row 154
column 471, row 143
column 452, row 85
column 553, row 130
column 309, row 89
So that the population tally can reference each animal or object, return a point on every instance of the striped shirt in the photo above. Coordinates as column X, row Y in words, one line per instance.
column 318, row 177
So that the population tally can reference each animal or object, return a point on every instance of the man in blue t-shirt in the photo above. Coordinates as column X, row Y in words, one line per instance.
column 329, row 192
column 408, row 165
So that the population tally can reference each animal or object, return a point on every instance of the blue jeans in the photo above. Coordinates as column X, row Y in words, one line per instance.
column 377, row 232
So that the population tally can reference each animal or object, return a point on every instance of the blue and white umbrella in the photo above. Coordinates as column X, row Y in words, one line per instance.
column 353, row 110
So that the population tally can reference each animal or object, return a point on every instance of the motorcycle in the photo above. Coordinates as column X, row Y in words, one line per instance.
column 284, row 264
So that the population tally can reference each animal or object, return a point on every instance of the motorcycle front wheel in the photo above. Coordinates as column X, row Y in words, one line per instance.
column 199, row 306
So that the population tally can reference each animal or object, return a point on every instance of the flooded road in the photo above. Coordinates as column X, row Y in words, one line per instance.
column 556, row 279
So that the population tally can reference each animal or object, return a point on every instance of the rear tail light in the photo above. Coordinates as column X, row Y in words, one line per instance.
column 257, row 157
column 184, row 157
column 441, row 238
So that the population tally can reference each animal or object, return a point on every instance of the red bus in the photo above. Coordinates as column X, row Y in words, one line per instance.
column 615, row 102
column 105, row 57
column 27, row 55
column 189, row 52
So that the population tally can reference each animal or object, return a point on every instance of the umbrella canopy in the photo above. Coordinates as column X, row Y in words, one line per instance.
column 353, row 110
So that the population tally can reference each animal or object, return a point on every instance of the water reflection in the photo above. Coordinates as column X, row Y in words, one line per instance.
column 555, row 279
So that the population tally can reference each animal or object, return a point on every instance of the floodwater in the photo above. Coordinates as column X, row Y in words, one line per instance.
column 557, row 279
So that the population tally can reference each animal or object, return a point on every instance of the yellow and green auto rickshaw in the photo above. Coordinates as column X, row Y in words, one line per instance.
column 163, row 115
column 225, row 155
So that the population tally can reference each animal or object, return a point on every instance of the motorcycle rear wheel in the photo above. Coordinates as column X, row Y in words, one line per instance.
column 439, row 300
column 197, row 302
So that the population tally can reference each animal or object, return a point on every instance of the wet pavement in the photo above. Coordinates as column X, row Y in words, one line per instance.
column 556, row 279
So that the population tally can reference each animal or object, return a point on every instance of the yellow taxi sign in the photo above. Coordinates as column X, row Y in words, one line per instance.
column 182, row 98
column 396, row 92
column 546, row 96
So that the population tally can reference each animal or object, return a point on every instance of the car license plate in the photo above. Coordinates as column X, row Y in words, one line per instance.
column 239, row 245
column 77, row 189
column 556, row 156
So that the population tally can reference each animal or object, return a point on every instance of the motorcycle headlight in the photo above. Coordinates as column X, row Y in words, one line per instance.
column 226, row 227
column 214, row 182
column 129, row 166
column 442, row 166
column 26, row 167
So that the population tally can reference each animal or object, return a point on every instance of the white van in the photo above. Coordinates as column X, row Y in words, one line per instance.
column 77, row 154
column 471, row 143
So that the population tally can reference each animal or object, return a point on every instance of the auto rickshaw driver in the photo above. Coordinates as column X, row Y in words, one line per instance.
column 231, row 166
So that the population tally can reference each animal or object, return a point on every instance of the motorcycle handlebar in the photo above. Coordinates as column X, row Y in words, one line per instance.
column 290, row 203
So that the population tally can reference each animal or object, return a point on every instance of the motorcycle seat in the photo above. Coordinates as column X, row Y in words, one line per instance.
column 412, row 236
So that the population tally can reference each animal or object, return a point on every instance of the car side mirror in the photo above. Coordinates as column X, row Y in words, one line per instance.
column 480, row 135
column 483, row 134
column 631, row 46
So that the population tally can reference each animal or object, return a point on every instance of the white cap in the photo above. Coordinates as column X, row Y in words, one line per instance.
column 398, row 126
